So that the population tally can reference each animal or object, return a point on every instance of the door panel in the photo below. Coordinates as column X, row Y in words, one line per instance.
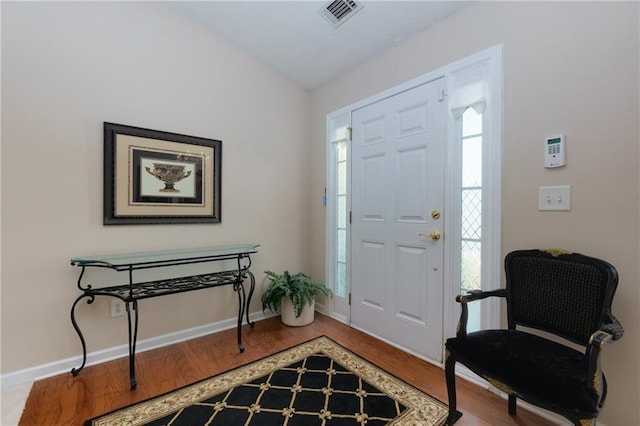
column 410, row 264
column 413, row 120
column 397, row 179
column 412, row 180
column 373, row 271
column 373, row 188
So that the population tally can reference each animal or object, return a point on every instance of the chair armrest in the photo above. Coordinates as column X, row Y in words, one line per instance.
column 611, row 330
column 479, row 294
column 600, row 339
column 473, row 295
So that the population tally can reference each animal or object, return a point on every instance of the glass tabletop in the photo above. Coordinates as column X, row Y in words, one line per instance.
column 163, row 257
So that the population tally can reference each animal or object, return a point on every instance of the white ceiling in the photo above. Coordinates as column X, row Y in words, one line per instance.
column 293, row 38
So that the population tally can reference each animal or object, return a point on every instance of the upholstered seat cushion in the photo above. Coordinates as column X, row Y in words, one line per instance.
column 537, row 369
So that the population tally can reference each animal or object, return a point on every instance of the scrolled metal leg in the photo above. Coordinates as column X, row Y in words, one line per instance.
column 253, row 286
column 133, row 337
column 76, row 371
column 239, row 288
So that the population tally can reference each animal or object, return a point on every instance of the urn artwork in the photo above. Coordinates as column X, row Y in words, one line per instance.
column 170, row 174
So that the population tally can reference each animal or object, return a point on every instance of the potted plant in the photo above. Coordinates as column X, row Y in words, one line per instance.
column 294, row 295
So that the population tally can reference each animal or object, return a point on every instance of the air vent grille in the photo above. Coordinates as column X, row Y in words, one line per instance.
column 339, row 11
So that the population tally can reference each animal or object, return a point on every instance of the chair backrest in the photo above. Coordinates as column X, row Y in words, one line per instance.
column 567, row 294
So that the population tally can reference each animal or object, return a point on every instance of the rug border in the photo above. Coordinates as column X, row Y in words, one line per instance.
column 318, row 339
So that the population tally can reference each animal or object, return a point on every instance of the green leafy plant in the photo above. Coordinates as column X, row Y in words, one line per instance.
column 300, row 288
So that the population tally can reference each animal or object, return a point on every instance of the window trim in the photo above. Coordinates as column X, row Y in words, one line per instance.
column 488, row 62
column 337, row 306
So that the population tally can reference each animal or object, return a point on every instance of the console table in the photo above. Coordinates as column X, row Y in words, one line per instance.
column 132, row 291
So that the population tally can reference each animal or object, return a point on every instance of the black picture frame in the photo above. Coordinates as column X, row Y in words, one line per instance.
column 157, row 177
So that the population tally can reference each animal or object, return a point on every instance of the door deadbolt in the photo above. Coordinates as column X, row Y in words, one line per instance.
column 435, row 214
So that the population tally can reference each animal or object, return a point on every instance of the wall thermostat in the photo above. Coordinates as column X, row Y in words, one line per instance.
column 554, row 152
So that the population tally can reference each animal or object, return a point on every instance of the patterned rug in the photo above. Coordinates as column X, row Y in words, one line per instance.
column 315, row 383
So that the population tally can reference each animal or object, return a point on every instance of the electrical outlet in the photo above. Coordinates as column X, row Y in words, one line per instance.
column 117, row 308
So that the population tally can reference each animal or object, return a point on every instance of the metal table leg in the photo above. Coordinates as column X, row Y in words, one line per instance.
column 133, row 337
column 76, row 371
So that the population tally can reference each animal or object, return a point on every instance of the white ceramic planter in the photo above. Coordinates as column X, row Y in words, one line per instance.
column 288, row 314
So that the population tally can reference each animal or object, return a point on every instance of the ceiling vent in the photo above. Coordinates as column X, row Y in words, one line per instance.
column 339, row 11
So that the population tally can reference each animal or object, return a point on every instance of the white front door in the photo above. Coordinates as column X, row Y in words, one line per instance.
column 397, row 202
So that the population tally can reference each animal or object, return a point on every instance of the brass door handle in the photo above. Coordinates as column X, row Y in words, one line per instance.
column 433, row 235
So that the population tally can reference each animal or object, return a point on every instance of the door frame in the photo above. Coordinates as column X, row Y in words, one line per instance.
column 492, row 189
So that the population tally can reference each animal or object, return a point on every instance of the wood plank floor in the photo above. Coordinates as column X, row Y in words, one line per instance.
column 68, row 400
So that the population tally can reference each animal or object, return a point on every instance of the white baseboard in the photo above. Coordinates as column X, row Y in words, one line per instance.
column 39, row 372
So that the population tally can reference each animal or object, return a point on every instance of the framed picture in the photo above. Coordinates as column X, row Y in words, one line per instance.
column 153, row 177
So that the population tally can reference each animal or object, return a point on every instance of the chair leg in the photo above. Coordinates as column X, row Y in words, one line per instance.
column 604, row 391
column 450, row 374
column 512, row 405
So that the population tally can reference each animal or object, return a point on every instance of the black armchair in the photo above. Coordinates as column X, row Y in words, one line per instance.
column 566, row 294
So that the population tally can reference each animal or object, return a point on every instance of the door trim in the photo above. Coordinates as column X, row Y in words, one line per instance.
column 492, row 172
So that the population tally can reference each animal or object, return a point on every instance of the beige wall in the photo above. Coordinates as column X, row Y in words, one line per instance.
column 66, row 68
column 569, row 68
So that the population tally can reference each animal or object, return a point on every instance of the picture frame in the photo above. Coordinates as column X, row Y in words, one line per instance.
column 157, row 177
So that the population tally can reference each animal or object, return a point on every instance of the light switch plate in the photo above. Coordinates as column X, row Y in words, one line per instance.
column 554, row 198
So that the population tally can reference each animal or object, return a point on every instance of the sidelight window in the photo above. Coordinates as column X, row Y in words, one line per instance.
column 471, row 209
column 341, row 214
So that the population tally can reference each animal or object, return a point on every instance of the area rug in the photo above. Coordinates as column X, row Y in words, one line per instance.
column 315, row 383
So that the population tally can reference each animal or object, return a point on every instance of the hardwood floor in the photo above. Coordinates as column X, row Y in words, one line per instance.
column 68, row 400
